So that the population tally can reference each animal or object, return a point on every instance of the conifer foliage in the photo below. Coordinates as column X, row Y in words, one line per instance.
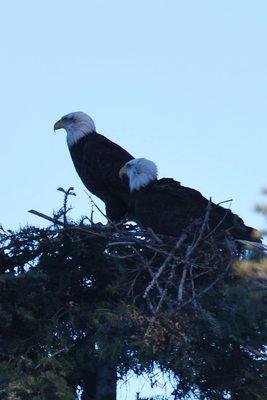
column 80, row 301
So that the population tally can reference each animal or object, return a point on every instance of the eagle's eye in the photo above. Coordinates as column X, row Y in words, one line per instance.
column 69, row 118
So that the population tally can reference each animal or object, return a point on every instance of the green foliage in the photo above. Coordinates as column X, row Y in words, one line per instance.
column 77, row 296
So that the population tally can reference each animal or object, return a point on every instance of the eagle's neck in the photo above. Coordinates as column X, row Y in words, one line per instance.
column 77, row 132
column 140, row 181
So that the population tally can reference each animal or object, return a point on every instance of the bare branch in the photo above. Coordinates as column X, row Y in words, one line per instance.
column 41, row 215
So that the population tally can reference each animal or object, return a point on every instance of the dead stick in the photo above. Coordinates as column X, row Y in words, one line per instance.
column 181, row 286
column 41, row 215
column 164, row 264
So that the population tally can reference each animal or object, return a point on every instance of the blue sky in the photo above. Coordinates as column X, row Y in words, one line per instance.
column 183, row 83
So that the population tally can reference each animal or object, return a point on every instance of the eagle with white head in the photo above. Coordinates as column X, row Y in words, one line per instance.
column 97, row 161
column 169, row 208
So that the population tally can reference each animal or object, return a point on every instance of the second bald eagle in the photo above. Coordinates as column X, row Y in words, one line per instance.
column 169, row 208
column 97, row 161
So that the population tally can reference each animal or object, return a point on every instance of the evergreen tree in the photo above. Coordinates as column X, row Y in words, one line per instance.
column 82, row 304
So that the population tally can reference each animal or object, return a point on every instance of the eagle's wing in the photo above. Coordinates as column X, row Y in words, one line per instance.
column 190, row 204
column 185, row 203
column 102, row 160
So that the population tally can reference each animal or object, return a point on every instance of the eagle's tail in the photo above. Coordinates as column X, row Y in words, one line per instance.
column 257, row 245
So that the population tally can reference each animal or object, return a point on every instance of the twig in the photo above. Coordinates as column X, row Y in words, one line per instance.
column 120, row 244
column 219, row 223
column 152, row 276
column 121, row 257
column 203, row 226
column 163, row 296
column 164, row 264
column 254, row 351
column 193, row 286
column 73, row 227
column 207, row 288
column 98, row 208
column 65, row 349
column 181, row 286
column 41, row 215
column 152, row 233
column 225, row 201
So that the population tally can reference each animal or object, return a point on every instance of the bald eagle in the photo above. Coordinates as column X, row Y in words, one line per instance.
column 97, row 161
column 168, row 207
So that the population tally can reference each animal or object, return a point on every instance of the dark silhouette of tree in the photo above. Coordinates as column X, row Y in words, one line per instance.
column 81, row 304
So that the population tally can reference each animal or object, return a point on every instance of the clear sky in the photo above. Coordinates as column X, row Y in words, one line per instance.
column 183, row 83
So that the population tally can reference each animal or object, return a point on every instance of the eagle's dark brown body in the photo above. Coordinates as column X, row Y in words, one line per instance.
column 98, row 161
column 168, row 208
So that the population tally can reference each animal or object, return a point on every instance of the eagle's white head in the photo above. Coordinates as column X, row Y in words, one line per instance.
column 140, row 172
column 77, row 125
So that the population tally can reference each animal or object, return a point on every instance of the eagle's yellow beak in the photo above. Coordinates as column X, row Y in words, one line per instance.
column 123, row 171
column 59, row 124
